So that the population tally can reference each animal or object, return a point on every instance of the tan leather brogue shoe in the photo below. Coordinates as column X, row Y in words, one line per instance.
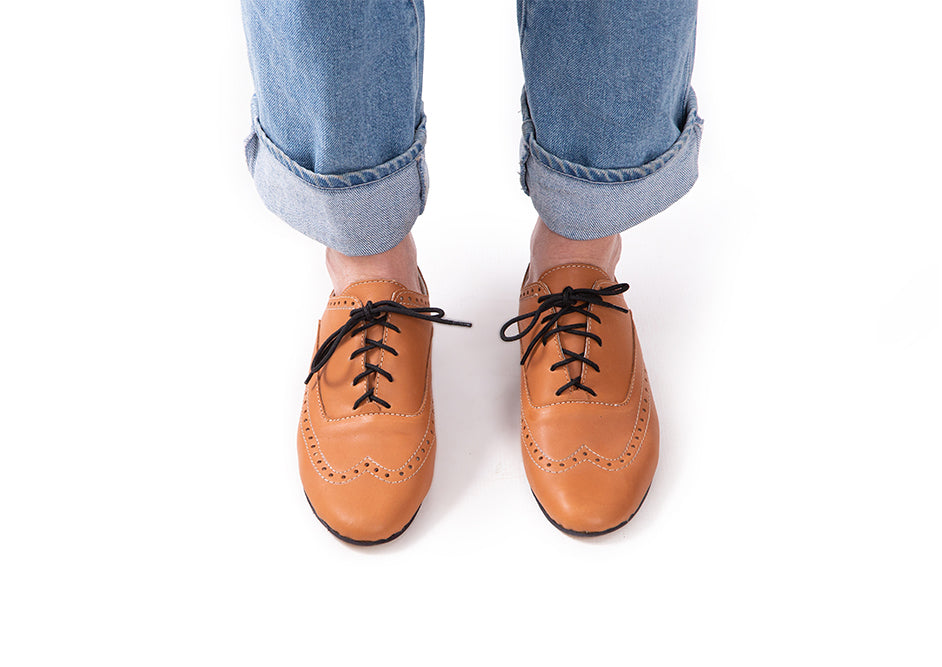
column 366, row 441
column 589, row 430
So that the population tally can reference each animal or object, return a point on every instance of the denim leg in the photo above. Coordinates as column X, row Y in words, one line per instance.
column 338, row 128
column 610, row 127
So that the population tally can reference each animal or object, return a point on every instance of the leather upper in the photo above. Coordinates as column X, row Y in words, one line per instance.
column 366, row 470
column 589, row 459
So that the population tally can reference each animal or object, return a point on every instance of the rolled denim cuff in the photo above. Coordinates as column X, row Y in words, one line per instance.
column 357, row 213
column 584, row 203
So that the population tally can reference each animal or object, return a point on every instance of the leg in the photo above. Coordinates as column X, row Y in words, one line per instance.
column 338, row 152
column 337, row 149
column 610, row 138
column 610, row 129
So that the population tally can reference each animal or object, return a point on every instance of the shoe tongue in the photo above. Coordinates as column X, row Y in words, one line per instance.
column 574, row 275
column 372, row 290
column 342, row 370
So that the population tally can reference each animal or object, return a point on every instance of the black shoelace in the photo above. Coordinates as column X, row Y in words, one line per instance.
column 369, row 315
column 570, row 300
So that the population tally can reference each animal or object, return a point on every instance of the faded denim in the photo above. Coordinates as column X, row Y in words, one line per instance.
column 610, row 131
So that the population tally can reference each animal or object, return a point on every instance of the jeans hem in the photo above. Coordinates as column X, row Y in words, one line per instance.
column 584, row 203
column 364, row 212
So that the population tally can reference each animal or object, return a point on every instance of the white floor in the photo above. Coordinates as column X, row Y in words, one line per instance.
column 158, row 322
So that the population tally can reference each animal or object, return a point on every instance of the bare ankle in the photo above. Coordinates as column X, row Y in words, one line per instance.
column 549, row 249
column 397, row 264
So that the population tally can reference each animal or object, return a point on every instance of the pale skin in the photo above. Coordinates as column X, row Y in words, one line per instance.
column 547, row 249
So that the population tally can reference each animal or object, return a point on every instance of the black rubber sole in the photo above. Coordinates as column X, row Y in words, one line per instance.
column 579, row 533
column 361, row 543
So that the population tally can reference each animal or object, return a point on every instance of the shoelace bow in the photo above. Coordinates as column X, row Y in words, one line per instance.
column 369, row 315
column 568, row 301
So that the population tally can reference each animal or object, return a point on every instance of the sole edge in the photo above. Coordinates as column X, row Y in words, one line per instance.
column 580, row 533
column 361, row 543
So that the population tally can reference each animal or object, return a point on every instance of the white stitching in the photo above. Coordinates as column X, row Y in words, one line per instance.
column 428, row 380
column 537, row 287
column 306, row 416
column 425, row 398
column 645, row 391
column 631, row 386
column 399, row 296
column 540, row 282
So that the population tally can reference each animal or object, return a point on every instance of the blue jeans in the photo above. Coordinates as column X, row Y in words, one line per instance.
column 610, row 127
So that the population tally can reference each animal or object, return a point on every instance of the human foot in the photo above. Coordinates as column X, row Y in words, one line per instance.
column 398, row 263
column 366, row 439
column 589, row 429
column 549, row 249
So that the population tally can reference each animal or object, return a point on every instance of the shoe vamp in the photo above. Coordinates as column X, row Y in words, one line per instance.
column 562, row 430
column 390, row 440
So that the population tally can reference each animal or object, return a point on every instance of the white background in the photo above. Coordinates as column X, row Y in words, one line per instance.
column 158, row 322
